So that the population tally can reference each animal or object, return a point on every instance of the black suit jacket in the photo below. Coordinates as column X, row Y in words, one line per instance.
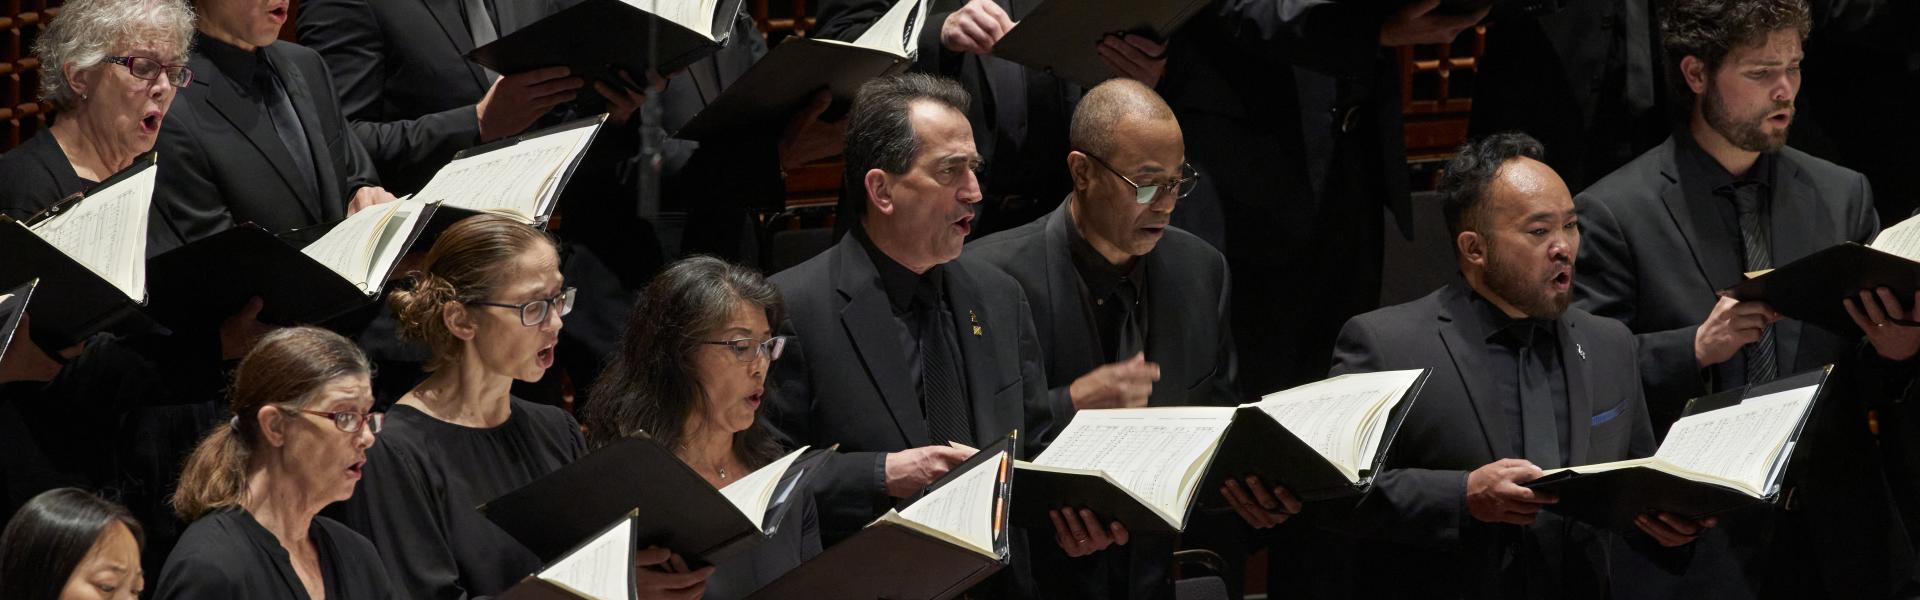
column 1187, row 281
column 719, row 182
column 403, row 76
column 843, row 377
column 1415, row 517
column 224, row 165
column 1654, row 259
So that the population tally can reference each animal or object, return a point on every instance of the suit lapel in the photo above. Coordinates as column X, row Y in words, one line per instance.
column 1073, row 334
column 990, row 420
column 1174, row 311
column 1463, row 344
column 1796, row 227
column 1573, row 359
column 1715, row 252
column 246, row 117
column 869, row 322
column 447, row 14
column 309, row 115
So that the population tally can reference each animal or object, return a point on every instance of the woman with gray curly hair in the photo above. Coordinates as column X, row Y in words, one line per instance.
column 111, row 69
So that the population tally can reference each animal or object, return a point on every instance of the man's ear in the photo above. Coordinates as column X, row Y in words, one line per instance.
column 1695, row 72
column 1472, row 247
column 1080, row 168
column 458, row 320
column 879, row 192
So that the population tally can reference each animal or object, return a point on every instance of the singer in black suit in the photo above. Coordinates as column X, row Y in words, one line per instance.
column 1722, row 197
column 407, row 88
column 1519, row 383
column 900, row 345
column 258, row 135
column 1130, row 311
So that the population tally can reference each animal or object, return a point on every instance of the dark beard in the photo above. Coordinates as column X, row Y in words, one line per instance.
column 1515, row 286
column 1744, row 134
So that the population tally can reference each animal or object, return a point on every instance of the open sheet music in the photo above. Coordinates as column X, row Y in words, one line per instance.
column 1731, row 449
column 107, row 230
column 785, row 80
column 1145, row 467
column 520, row 178
column 600, row 569
column 89, row 253
column 363, row 248
column 950, row 538
column 763, row 488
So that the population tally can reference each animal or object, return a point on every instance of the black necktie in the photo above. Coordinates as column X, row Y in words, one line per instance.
column 1128, row 339
column 1539, row 433
column 1756, row 240
column 940, row 397
column 286, row 124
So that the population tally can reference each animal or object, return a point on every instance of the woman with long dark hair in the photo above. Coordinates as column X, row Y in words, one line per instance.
column 68, row 544
column 690, row 373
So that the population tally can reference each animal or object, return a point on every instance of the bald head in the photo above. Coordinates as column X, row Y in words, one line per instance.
column 1106, row 107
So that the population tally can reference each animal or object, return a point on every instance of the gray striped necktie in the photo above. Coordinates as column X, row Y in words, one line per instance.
column 1757, row 239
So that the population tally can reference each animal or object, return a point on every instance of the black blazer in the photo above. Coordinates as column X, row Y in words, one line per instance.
column 843, row 377
column 1654, row 258
column 1415, row 517
column 227, row 554
column 404, row 81
column 1187, row 280
column 224, row 165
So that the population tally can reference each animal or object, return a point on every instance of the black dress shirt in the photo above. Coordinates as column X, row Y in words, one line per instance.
column 1104, row 290
column 1705, row 180
column 902, row 284
column 1507, row 338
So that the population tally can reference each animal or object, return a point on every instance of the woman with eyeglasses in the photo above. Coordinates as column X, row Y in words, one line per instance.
column 254, row 488
column 110, row 68
column 689, row 373
column 488, row 301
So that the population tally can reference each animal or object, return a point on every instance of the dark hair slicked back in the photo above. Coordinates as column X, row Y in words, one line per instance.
column 879, row 128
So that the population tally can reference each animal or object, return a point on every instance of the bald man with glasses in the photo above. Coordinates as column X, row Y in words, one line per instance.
column 1130, row 311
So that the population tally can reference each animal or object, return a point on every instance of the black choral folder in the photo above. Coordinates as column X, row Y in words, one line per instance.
column 13, row 306
column 677, row 509
column 896, row 559
column 1059, row 36
column 72, row 302
column 1811, row 289
column 1613, row 498
column 596, row 36
column 1259, row 446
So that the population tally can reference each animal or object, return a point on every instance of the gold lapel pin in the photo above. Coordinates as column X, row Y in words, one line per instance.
column 975, row 317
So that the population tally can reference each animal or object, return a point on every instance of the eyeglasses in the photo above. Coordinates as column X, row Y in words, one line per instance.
column 350, row 422
column 532, row 314
column 150, row 69
column 746, row 350
column 1144, row 194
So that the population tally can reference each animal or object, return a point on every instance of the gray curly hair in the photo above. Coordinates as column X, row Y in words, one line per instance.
column 87, row 31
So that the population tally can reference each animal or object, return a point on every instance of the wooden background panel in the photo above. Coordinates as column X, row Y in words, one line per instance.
column 21, row 114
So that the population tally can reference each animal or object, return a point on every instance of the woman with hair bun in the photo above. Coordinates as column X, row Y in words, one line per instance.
column 254, row 487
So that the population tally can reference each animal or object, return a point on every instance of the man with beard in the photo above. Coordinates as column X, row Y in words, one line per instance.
column 1722, row 197
column 1520, row 383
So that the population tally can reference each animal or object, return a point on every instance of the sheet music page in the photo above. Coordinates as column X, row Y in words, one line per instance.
column 1151, row 451
column 601, row 567
column 1329, row 414
column 963, row 507
column 392, row 242
column 691, row 14
column 107, row 232
column 348, row 247
column 513, row 180
column 1738, row 442
column 1901, row 240
column 751, row 494
column 897, row 32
